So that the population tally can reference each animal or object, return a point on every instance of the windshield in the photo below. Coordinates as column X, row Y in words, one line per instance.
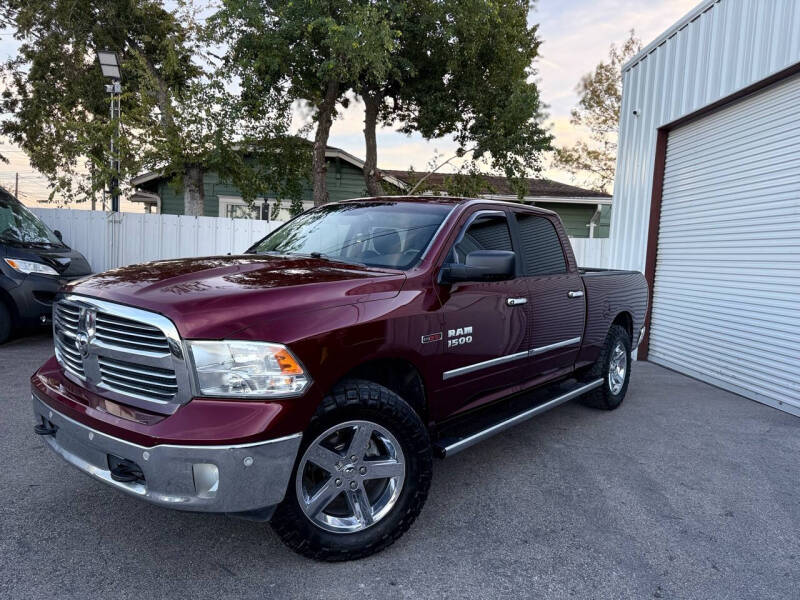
column 21, row 226
column 379, row 234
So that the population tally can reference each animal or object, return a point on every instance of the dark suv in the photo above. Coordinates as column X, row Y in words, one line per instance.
column 34, row 264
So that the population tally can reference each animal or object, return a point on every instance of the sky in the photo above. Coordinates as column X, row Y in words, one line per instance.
column 576, row 35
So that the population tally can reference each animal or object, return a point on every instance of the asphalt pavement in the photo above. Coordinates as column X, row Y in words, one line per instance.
column 686, row 491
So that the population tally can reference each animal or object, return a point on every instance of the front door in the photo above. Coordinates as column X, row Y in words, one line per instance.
column 484, row 324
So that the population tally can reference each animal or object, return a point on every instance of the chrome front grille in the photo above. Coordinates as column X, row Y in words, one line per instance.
column 132, row 335
column 127, row 354
column 130, row 378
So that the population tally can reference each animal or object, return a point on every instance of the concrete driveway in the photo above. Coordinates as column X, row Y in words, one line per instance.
column 686, row 491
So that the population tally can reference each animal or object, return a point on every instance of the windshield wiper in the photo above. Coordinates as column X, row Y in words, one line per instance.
column 323, row 256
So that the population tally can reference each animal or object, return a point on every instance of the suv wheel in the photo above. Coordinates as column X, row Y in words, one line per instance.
column 614, row 366
column 5, row 323
column 361, row 478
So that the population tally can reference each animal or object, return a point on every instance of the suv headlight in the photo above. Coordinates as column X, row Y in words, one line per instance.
column 247, row 370
column 29, row 266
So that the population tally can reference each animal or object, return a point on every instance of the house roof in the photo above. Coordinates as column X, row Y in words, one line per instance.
column 330, row 152
column 542, row 190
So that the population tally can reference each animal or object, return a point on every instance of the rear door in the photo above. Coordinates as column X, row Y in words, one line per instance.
column 556, row 310
column 484, row 324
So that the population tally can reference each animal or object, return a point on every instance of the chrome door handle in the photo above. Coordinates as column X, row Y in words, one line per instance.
column 578, row 294
column 516, row 301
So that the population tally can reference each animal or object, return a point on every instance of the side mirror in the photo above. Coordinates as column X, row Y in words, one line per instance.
column 481, row 265
column 58, row 235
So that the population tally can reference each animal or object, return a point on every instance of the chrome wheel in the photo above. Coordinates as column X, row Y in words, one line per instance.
column 617, row 368
column 350, row 477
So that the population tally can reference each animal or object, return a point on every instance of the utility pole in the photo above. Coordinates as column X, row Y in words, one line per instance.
column 16, row 186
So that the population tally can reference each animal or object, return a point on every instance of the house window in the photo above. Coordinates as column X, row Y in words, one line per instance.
column 236, row 208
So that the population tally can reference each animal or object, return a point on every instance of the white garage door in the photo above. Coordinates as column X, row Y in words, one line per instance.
column 726, row 303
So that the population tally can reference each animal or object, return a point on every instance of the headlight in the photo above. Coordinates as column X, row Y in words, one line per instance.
column 247, row 370
column 28, row 266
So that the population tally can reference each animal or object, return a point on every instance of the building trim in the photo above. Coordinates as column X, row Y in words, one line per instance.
column 590, row 200
column 658, row 180
column 652, row 234
column 671, row 31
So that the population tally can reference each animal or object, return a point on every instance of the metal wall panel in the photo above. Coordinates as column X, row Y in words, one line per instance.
column 719, row 48
column 726, row 299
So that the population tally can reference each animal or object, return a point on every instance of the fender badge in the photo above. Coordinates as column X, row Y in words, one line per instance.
column 432, row 337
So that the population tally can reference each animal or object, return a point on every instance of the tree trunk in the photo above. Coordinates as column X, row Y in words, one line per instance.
column 372, row 177
column 318, row 163
column 193, row 193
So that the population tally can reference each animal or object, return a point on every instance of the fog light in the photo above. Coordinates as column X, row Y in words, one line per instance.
column 206, row 479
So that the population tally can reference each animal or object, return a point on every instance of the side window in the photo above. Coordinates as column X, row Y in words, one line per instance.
column 541, row 246
column 489, row 232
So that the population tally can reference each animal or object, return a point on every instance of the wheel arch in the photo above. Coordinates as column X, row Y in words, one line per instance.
column 397, row 374
column 625, row 319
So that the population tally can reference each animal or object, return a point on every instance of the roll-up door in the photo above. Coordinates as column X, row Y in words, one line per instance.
column 726, row 302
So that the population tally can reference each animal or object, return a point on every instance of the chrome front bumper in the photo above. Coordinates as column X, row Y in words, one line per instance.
column 225, row 479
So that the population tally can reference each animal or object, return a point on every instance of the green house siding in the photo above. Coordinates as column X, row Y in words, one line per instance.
column 576, row 218
column 347, row 181
column 344, row 181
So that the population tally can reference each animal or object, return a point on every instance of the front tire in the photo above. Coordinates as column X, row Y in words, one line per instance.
column 614, row 367
column 361, row 477
column 5, row 323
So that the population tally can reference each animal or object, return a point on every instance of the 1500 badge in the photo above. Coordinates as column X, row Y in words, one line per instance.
column 459, row 337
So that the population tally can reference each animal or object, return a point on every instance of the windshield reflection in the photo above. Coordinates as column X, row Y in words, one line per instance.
column 378, row 234
column 20, row 226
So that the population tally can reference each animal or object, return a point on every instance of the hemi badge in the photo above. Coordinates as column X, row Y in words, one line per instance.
column 432, row 337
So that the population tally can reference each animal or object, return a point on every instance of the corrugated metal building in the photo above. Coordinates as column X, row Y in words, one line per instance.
column 707, row 196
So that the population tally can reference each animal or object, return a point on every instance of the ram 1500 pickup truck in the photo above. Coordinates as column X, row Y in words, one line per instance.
column 311, row 380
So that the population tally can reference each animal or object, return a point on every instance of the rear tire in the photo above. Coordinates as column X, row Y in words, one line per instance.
column 361, row 512
column 614, row 367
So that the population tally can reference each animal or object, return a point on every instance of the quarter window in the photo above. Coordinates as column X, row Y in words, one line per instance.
column 541, row 246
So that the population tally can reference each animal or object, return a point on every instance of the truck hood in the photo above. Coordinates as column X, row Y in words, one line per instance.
column 214, row 297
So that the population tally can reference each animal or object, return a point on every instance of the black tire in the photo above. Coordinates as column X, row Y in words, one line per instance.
column 356, row 399
column 5, row 323
column 603, row 397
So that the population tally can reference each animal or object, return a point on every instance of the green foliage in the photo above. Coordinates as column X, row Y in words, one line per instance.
column 593, row 162
column 308, row 51
column 299, row 46
column 474, row 83
column 443, row 68
column 177, row 113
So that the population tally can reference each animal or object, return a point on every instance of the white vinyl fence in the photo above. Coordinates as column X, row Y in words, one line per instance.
column 109, row 241
column 591, row 252
column 113, row 240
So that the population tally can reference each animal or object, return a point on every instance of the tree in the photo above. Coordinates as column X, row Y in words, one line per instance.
column 593, row 161
column 462, row 70
column 440, row 67
column 306, row 50
column 177, row 115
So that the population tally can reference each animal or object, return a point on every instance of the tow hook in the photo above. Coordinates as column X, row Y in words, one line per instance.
column 124, row 471
column 45, row 428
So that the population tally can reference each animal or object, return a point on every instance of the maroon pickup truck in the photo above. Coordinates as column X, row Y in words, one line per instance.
column 311, row 380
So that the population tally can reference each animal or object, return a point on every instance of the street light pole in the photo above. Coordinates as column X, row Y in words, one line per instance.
column 109, row 65
column 115, row 90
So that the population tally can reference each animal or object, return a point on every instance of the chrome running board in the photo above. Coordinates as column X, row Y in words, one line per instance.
column 449, row 447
